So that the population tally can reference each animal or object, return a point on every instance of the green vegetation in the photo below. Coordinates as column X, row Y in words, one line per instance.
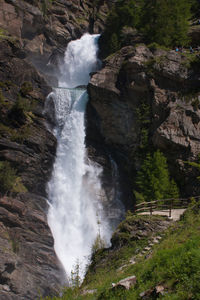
column 18, row 114
column 143, row 115
column 165, row 23
column 15, row 244
column 9, row 181
column 124, row 13
column 194, row 164
column 45, row 4
column 3, row 34
column 7, row 176
column 15, row 134
column 75, row 280
column 174, row 264
column 26, row 88
column 153, row 180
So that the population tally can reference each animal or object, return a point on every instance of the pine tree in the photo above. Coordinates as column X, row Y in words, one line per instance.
column 173, row 190
column 153, row 179
column 166, row 22
column 114, row 43
column 75, row 279
column 124, row 13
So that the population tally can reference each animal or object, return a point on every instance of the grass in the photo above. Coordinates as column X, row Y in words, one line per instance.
column 174, row 263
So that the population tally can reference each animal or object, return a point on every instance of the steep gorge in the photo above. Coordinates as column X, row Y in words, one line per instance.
column 33, row 37
column 29, row 36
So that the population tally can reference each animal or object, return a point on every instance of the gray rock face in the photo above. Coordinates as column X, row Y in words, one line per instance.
column 45, row 30
column 38, row 34
column 29, row 267
column 160, row 80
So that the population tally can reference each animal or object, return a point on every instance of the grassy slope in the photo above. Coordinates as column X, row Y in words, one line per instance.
column 173, row 263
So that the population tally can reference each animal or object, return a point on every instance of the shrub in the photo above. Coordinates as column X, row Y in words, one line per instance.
column 18, row 112
column 9, row 181
column 26, row 88
column 7, row 177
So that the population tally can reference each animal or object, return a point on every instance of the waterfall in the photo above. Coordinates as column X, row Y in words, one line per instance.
column 76, row 214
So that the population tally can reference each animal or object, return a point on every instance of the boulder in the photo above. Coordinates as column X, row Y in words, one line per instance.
column 154, row 293
column 126, row 283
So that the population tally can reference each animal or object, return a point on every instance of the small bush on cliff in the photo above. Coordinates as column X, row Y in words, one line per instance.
column 18, row 113
column 153, row 180
column 26, row 88
column 7, row 177
column 196, row 165
column 9, row 181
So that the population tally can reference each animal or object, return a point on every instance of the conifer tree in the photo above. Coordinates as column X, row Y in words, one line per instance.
column 114, row 43
column 166, row 22
column 173, row 190
column 124, row 13
column 153, row 179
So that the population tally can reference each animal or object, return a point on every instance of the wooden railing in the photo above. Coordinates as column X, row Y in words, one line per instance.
column 164, row 205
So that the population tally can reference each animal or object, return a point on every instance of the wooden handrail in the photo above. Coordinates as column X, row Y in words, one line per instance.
column 163, row 205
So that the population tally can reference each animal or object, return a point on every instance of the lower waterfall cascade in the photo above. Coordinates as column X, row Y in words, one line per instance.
column 77, row 214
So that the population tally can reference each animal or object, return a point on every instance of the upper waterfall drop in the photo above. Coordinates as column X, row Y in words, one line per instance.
column 79, row 61
column 76, row 213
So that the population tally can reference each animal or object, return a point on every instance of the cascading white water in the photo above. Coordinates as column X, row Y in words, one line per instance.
column 75, row 213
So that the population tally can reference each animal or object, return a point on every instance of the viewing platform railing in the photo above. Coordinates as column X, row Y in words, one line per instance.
column 164, row 205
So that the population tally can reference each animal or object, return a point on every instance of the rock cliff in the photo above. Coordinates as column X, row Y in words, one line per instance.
column 141, row 96
column 28, row 265
column 33, row 37
column 45, row 27
column 145, row 95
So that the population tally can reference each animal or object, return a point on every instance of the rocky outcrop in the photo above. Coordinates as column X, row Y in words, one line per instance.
column 138, row 228
column 29, row 267
column 32, row 33
column 136, row 232
column 149, row 94
column 42, row 25
column 45, row 27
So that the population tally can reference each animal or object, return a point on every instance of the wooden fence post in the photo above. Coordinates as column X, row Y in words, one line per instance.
column 150, row 209
column 170, row 208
